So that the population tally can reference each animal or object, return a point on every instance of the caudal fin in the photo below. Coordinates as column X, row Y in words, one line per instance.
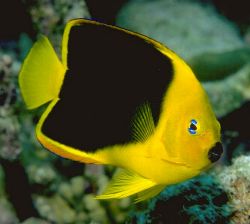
column 41, row 74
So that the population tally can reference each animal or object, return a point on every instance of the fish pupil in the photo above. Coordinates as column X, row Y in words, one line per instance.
column 193, row 127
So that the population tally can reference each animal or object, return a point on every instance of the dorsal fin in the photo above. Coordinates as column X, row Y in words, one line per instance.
column 124, row 184
column 143, row 124
column 41, row 75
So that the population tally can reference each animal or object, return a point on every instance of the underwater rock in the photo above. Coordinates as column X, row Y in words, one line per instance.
column 230, row 93
column 216, row 66
column 235, row 180
column 173, row 23
column 199, row 200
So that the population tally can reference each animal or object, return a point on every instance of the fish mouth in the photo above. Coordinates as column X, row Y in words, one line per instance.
column 215, row 152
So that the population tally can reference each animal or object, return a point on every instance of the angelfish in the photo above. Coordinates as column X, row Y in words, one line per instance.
column 118, row 97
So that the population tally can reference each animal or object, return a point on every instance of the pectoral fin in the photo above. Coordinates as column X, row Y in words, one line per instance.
column 143, row 124
column 124, row 184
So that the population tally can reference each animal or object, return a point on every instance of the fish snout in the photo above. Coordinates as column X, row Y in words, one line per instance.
column 215, row 153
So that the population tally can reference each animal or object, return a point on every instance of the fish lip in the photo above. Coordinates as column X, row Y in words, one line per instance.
column 215, row 153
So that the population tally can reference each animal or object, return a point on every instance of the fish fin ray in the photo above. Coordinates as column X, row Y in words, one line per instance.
column 125, row 183
column 149, row 193
column 143, row 124
column 41, row 74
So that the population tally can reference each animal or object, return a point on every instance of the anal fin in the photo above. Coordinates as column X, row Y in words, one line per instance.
column 125, row 183
column 149, row 193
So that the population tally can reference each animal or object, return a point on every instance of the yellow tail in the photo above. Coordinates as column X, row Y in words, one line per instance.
column 41, row 75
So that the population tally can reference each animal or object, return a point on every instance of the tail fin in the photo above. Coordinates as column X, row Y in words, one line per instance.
column 41, row 75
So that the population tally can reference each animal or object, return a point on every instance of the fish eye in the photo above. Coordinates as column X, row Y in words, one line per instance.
column 193, row 127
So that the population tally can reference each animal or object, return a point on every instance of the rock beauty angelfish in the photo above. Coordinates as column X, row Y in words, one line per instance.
column 121, row 98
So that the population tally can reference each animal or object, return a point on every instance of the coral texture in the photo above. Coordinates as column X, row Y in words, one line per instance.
column 199, row 200
column 235, row 179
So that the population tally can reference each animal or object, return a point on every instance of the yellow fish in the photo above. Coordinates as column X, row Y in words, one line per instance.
column 123, row 99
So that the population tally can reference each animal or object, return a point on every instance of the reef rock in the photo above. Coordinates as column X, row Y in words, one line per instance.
column 174, row 24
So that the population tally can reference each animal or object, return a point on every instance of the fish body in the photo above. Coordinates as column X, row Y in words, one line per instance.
column 123, row 99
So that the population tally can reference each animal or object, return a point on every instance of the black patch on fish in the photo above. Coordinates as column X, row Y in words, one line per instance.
column 110, row 73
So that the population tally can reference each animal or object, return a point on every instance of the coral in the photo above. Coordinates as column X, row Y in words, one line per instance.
column 55, row 209
column 50, row 17
column 6, row 210
column 41, row 174
column 10, row 139
column 198, row 200
column 59, row 210
column 95, row 211
column 9, row 125
column 235, row 180
column 7, row 215
column 35, row 221
column 77, row 185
